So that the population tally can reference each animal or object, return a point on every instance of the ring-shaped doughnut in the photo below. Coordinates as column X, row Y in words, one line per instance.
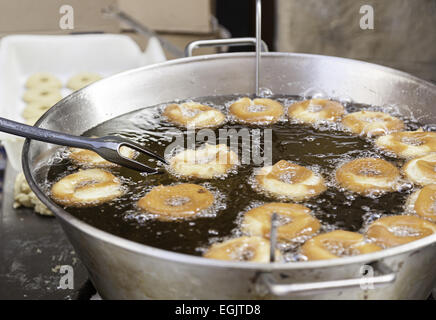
column 423, row 202
column 184, row 200
column 336, row 244
column 408, row 144
column 246, row 249
column 35, row 109
column 257, row 111
column 422, row 170
column 290, row 181
column 396, row 230
column 43, row 80
column 82, row 79
column 84, row 188
column 88, row 158
column 194, row 115
column 47, row 96
column 370, row 123
column 294, row 221
column 316, row 110
column 207, row 162
column 368, row 176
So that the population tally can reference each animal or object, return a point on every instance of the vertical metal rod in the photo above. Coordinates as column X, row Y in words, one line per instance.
column 273, row 237
column 258, row 42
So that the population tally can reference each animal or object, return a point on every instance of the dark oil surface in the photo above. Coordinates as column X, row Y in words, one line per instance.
column 322, row 149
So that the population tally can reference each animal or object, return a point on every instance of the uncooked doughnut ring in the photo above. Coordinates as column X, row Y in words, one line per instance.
column 82, row 79
column 194, row 115
column 208, row 162
column 84, row 188
column 423, row 202
column 47, row 96
column 396, row 230
column 421, row 170
column 34, row 110
column 294, row 221
column 175, row 202
column 316, row 110
column 289, row 180
column 371, row 123
column 88, row 158
column 368, row 176
column 257, row 111
column 247, row 249
column 408, row 144
column 336, row 244
column 43, row 80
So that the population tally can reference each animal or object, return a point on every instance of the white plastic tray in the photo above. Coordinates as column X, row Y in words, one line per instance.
column 63, row 56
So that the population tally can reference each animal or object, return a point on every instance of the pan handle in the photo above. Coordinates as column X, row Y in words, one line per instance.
column 385, row 276
column 232, row 42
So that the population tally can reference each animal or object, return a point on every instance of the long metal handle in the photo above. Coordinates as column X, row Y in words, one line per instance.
column 45, row 135
column 232, row 42
column 386, row 276
column 258, row 40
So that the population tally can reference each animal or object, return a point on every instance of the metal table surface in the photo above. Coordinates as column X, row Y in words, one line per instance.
column 32, row 249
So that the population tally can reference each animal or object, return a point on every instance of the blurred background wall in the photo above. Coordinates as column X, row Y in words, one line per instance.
column 404, row 34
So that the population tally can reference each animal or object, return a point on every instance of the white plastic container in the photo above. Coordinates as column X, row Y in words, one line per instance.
column 63, row 56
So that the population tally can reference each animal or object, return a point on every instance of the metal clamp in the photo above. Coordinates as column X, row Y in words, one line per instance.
column 385, row 276
column 232, row 42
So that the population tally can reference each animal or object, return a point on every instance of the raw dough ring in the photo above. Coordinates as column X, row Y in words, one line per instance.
column 336, row 244
column 421, row 170
column 184, row 200
column 248, row 249
column 34, row 110
column 194, row 115
column 423, row 202
column 257, row 111
column 208, row 162
column 49, row 96
column 296, row 221
column 88, row 158
column 408, row 144
column 371, row 123
column 82, row 79
column 396, row 230
column 43, row 80
column 315, row 110
column 368, row 176
column 84, row 188
column 291, row 181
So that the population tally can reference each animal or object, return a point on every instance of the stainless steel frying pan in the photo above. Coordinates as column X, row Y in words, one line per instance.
column 124, row 269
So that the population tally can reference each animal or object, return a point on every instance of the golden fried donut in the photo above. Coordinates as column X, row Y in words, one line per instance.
column 294, row 221
column 193, row 115
column 47, row 96
column 82, row 79
column 421, row 170
column 408, row 144
column 43, row 80
column 336, row 244
column 260, row 111
column 372, row 123
column 396, row 230
column 289, row 180
column 207, row 162
column 423, row 202
column 315, row 110
column 368, row 176
column 89, row 187
column 179, row 201
column 90, row 158
column 248, row 249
